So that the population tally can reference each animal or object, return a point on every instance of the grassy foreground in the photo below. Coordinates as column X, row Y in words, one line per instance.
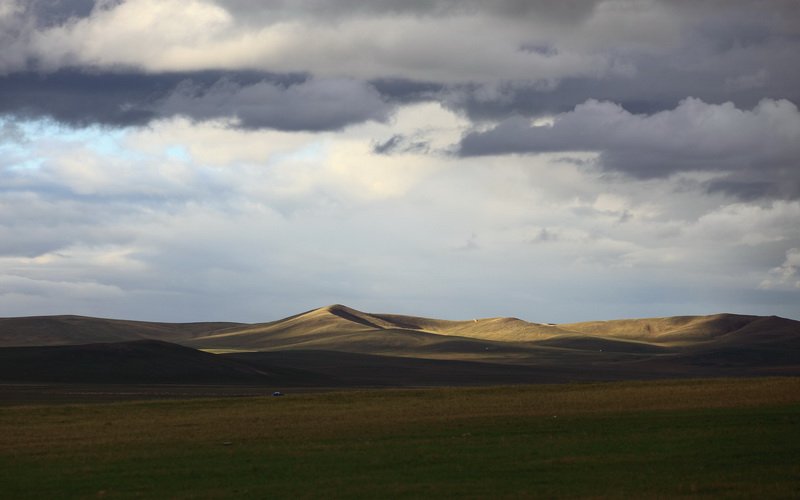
column 732, row 438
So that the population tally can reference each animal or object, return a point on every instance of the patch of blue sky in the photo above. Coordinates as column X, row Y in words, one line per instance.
column 15, row 154
column 13, row 149
column 104, row 141
column 315, row 151
column 178, row 152
column 24, row 164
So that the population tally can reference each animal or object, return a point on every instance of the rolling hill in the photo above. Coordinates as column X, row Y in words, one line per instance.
column 139, row 361
column 337, row 344
column 69, row 330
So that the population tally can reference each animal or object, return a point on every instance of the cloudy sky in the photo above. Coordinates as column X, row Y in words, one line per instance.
column 552, row 160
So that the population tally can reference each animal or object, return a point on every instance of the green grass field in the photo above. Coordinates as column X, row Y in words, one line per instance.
column 726, row 438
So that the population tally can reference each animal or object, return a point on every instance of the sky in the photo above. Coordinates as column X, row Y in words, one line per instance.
column 551, row 160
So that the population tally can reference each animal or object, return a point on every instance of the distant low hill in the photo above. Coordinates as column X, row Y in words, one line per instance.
column 327, row 341
column 140, row 361
column 70, row 330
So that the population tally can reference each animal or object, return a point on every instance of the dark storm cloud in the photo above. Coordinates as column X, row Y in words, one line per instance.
column 314, row 104
column 564, row 11
column 399, row 143
column 257, row 100
column 403, row 91
column 657, row 83
column 78, row 98
column 757, row 151
column 737, row 51
column 55, row 12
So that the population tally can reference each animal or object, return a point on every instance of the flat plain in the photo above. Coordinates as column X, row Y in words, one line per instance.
column 720, row 438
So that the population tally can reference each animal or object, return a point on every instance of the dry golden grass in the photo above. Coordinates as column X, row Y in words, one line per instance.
column 671, row 330
column 334, row 326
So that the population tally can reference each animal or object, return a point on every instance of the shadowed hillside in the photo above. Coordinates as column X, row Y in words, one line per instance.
column 141, row 361
column 518, row 351
column 371, row 370
column 68, row 330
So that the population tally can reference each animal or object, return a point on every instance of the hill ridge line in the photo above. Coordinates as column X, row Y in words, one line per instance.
column 333, row 326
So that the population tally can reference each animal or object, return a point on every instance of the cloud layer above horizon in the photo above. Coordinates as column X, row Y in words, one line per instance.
column 246, row 160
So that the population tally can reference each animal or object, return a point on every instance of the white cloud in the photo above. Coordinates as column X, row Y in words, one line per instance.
column 784, row 277
column 217, row 143
column 749, row 225
column 132, row 32
column 464, row 45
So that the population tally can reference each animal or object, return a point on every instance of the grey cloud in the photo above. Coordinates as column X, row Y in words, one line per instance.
column 565, row 11
column 781, row 13
column 10, row 132
column 658, row 82
column 315, row 104
column 81, row 97
column 754, row 185
column 259, row 100
column 758, row 149
column 545, row 236
column 13, row 28
column 19, row 20
column 388, row 146
column 56, row 12
column 37, row 223
column 544, row 49
column 741, row 52
column 403, row 91
column 398, row 144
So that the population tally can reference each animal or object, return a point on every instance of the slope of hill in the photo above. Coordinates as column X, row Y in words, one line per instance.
column 338, row 327
column 70, row 330
column 372, row 370
column 344, row 329
column 672, row 330
column 141, row 361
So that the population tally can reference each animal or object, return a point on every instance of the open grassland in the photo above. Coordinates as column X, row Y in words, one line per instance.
column 726, row 438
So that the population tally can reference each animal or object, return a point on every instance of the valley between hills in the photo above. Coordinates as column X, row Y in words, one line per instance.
column 338, row 347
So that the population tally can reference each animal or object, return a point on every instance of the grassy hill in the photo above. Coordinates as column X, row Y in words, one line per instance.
column 344, row 328
column 412, row 350
column 684, row 330
column 141, row 361
column 70, row 330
